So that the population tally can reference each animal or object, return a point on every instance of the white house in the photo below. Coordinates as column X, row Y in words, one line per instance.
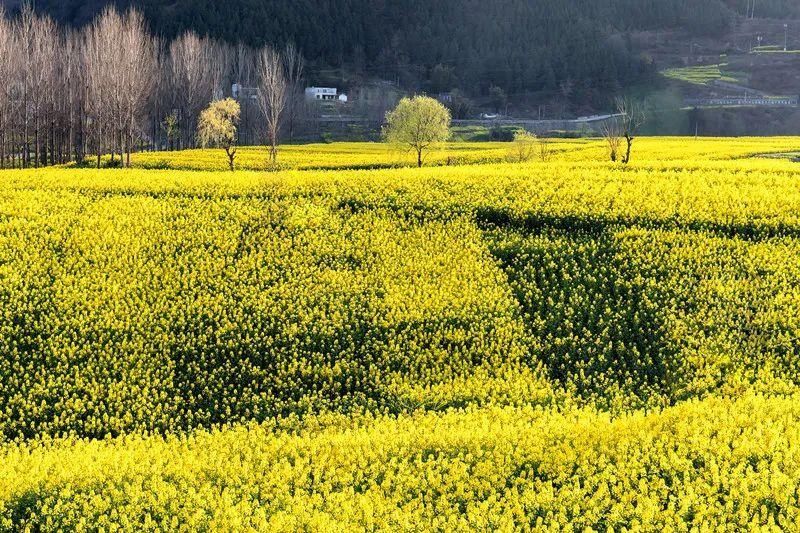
column 321, row 93
column 239, row 92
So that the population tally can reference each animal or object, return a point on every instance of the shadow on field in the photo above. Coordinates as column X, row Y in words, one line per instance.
column 595, row 318
column 753, row 231
column 488, row 217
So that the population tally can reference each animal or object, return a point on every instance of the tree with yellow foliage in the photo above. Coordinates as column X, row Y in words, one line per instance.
column 218, row 126
column 418, row 123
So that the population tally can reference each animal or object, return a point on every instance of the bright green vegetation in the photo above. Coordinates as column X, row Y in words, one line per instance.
column 571, row 344
column 703, row 74
column 417, row 123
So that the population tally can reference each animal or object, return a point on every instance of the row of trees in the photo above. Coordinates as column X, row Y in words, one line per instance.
column 113, row 88
column 419, row 122
column 416, row 123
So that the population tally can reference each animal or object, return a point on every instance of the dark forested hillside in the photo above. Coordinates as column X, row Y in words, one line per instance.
column 766, row 8
column 519, row 45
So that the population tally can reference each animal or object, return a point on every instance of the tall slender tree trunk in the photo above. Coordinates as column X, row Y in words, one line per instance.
column 36, row 145
column 51, row 148
column 130, row 143
column 26, row 152
column 100, row 147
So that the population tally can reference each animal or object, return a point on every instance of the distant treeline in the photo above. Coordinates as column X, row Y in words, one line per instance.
column 112, row 87
column 574, row 47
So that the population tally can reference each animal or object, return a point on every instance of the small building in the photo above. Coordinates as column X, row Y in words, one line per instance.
column 321, row 93
column 240, row 92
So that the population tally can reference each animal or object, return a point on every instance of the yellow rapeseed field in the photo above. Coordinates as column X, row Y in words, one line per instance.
column 351, row 156
column 560, row 345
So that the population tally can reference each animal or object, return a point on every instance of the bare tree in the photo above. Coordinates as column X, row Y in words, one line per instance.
column 221, row 56
column 37, row 50
column 66, row 93
column 72, row 114
column 117, row 80
column 17, row 100
column 631, row 118
column 192, row 79
column 295, row 66
column 7, row 68
column 100, row 53
column 272, row 87
column 161, row 101
column 139, row 63
column 48, row 47
column 243, row 65
column 243, row 76
column 58, row 112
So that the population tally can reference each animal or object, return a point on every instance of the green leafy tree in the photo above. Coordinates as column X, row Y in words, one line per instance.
column 217, row 127
column 417, row 122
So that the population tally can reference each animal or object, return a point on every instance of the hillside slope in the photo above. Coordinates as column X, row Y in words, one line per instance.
column 520, row 45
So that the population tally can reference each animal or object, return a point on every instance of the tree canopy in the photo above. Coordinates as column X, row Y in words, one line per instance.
column 418, row 123
column 217, row 127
